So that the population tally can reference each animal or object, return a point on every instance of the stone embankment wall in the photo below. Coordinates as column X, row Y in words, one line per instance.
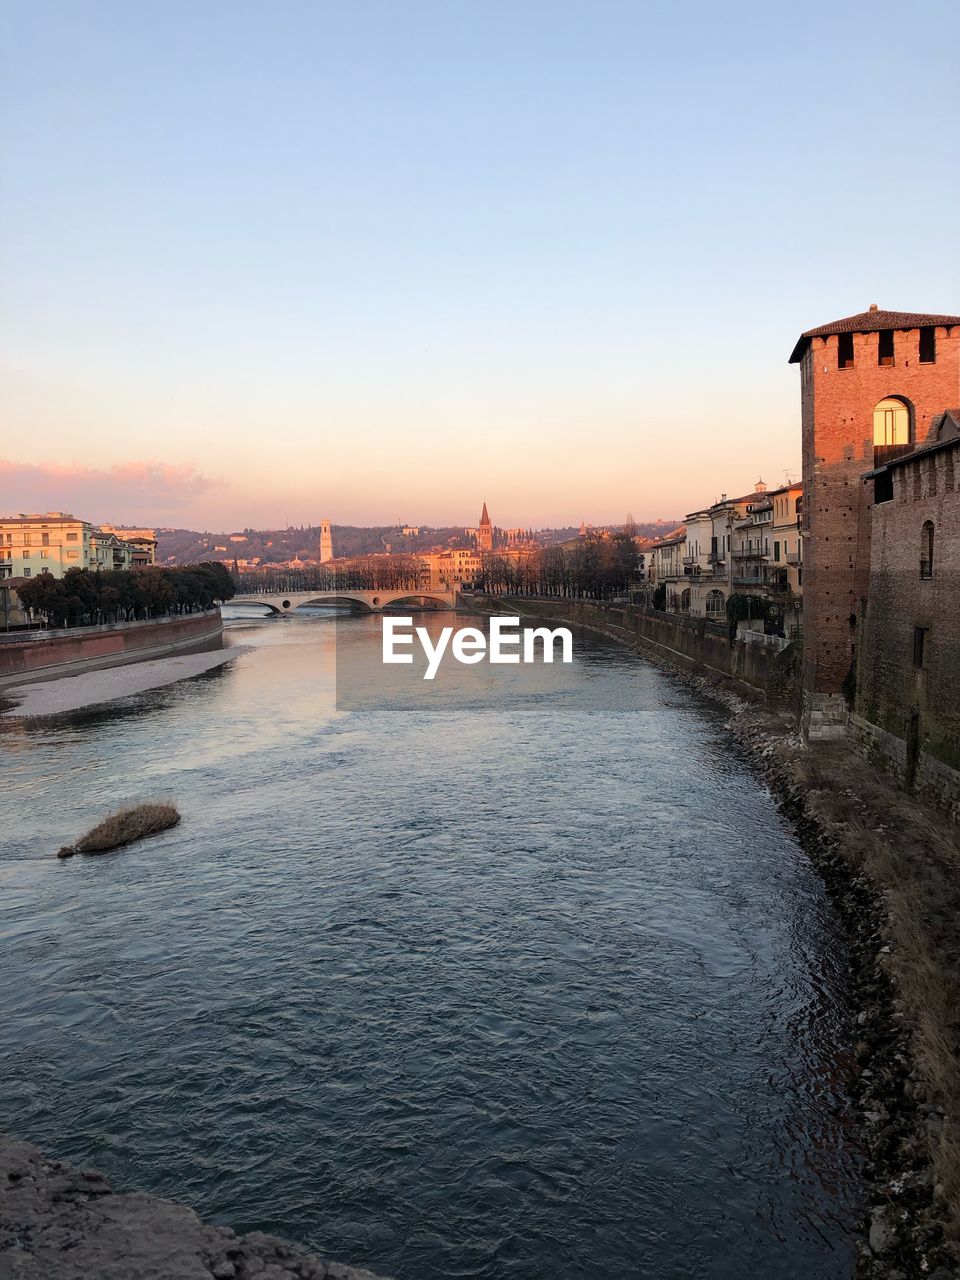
column 701, row 645
column 51, row 654
column 61, row 1223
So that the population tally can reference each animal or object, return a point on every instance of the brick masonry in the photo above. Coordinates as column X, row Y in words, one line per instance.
column 837, row 410
column 908, row 698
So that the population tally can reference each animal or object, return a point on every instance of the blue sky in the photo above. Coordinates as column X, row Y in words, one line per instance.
column 376, row 260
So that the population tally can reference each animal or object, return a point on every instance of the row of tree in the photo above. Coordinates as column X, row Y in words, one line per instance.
column 84, row 598
column 597, row 567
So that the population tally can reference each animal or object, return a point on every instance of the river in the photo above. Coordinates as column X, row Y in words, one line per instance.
column 529, row 986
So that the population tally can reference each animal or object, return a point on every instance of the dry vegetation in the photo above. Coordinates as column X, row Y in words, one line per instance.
column 125, row 826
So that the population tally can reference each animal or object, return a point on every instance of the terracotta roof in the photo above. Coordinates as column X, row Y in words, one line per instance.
column 872, row 321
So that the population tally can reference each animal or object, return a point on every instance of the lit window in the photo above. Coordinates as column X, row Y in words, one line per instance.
column 891, row 423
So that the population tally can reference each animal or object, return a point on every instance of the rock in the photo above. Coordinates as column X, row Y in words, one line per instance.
column 883, row 1233
column 62, row 1223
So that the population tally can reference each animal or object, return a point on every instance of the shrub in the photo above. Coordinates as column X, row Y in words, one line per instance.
column 123, row 827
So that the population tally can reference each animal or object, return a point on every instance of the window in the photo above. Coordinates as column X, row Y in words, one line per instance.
column 73, row 555
column 776, row 550
column 685, row 600
column 919, row 645
column 928, row 344
column 72, row 537
column 885, row 347
column 714, row 604
column 883, row 487
column 926, row 549
column 26, row 555
column 891, row 423
column 44, row 555
column 44, row 539
column 844, row 350
column 26, row 573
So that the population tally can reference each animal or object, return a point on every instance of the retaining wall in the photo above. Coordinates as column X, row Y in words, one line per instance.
column 51, row 654
column 774, row 673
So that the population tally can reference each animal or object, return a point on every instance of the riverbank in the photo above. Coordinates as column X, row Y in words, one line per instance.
column 73, row 693
column 62, row 1223
column 47, row 655
column 892, row 868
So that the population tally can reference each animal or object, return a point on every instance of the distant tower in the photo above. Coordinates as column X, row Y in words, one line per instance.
column 485, row 531
column 326, row 542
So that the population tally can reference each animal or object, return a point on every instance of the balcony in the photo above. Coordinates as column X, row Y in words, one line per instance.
column 793, row 557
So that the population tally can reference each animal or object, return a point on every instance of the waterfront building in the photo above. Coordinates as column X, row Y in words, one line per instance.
column 142, row 542
column 786, row 535
column 107, row 551
column 52, row 543
column 871, row 387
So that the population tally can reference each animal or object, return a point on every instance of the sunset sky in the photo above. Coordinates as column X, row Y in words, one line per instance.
column 267, row 262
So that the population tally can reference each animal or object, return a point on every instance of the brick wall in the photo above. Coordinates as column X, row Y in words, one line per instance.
column 55, row 653
column 837, row 408
column 908, row 715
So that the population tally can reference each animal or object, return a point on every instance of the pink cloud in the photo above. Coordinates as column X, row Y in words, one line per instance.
column 133, row 492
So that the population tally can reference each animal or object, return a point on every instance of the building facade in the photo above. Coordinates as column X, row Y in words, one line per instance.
column 47, row 543
column 871, row 386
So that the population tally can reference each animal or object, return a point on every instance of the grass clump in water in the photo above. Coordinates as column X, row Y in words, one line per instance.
column 123, row 827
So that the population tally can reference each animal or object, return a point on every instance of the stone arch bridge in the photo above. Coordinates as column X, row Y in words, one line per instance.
column 284, row 603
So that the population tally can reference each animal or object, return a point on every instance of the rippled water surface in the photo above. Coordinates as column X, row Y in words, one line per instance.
column 536, row 986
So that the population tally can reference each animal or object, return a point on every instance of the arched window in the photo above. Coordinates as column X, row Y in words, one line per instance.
column 926, row 549
column 891, row 423
column 714, row 604
column 685, row 600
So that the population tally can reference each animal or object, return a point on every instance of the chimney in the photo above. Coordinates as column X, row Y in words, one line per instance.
column 873, row 306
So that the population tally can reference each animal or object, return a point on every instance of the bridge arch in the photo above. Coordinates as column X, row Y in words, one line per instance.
column 373, row 601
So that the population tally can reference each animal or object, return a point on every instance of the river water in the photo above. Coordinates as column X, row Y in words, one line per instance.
column 529, row 986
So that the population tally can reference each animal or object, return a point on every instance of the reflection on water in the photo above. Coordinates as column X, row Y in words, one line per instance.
column 537, row 985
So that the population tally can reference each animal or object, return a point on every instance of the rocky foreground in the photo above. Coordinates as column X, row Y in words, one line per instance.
column 62, row 1223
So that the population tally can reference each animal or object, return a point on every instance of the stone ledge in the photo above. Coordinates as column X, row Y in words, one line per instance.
column 62, row 1223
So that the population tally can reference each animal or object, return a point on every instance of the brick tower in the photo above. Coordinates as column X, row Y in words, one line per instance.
column 870, row 386
column 485, row 531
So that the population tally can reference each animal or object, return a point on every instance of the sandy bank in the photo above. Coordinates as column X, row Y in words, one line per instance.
column 71, row 693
